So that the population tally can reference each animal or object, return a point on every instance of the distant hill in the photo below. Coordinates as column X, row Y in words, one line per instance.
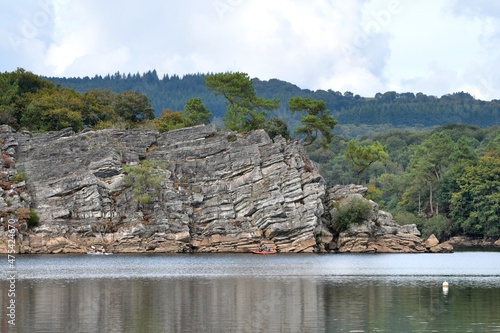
column 384, row 109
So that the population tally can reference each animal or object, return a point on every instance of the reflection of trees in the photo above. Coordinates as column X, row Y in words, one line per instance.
column 391, row 308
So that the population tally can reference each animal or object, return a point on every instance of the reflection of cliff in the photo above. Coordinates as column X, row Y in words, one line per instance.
column 238, row 304
column 176, row 305
column 214, row 192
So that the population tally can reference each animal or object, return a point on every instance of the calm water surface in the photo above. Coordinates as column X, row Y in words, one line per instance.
column 251, row 293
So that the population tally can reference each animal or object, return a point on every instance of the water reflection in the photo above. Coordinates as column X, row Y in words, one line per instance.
column 174, row 305
column 247, row 294
column 387, row 308
column 251, row 305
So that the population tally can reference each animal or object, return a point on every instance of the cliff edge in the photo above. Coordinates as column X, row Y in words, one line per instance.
column 190, row 190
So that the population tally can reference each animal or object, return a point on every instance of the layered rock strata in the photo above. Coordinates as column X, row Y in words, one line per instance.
column 379, row 233
column 217, row 192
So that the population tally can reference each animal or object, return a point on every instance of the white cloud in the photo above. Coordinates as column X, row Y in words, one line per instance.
column 364, row 46
column 433, row 49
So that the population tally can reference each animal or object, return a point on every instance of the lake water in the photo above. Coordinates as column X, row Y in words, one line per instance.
column 252, row 293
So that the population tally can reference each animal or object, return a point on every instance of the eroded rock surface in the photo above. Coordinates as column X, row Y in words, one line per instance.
column 379, row 233
column 219, row 192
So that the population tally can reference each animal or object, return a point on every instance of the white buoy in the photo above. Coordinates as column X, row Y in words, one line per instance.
column 445, row 288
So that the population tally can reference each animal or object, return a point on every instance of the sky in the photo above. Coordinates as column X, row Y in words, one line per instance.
column 363, row 46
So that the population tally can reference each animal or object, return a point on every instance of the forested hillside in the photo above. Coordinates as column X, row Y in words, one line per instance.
column 431, row 161
column 384, row 110
column 444, row 180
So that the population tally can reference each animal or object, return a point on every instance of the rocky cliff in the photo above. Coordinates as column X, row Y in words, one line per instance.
column 203, row 191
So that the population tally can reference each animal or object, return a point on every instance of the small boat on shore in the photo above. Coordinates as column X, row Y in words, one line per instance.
column 264, row 252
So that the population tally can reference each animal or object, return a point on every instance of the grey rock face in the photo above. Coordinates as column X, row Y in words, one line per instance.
column 218, row 191
column 222, row 191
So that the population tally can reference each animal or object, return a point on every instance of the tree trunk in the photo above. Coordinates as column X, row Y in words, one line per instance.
column 430, row 201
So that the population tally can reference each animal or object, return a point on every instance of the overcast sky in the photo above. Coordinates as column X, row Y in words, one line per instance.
column 363, row 46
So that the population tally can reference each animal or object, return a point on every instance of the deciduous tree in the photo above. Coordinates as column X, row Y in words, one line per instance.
column 476, row 206
column 171, row 120
column 426, row 169
column 134, row 107
column 98, row 106
column 53, row 110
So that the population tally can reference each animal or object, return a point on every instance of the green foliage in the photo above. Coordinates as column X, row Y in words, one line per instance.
column 53, row 110
column 494, row 145
column 17, row 89
column 28, row 82
column 428, row 164
column 171, row 120
column 276, row 126
column 317, row 120
column 406, row 193
column 19, row 177
column 439, row 225
column 99, row 107
column 133, row 107
column 352, row 211
column 403, row 217
column 30, row 102
column 30, row 217
column 373, row 193
column 358, row 116
column 392, row 187
column 476, row 205
column 145, row 180
column 361, row 157
column 33, row 220
column 245, row 110
column 8, row 93
column 196, row 112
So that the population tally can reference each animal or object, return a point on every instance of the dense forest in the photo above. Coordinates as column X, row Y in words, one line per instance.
column 357, row 115
column 430, row 161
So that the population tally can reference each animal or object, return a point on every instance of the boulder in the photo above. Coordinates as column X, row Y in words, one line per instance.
column 444, row 247
column 431, row 241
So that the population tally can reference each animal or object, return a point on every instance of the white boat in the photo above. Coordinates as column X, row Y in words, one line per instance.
column 100, row 253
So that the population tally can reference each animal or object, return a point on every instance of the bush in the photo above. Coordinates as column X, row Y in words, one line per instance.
column 439, row 225
column 353, row 211
column 145, row 180
column 28, row 216
column 403, row 217
column 34, row 219
column 19, row 177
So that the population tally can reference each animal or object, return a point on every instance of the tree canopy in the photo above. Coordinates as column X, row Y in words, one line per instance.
column 245, row 110
column 197, row 112
column 316, row 122
column 361, row 157
column 476, row 205
column 30, row 102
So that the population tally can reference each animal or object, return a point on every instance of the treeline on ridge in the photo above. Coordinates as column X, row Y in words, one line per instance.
column 32, row 103
column 389, row 108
